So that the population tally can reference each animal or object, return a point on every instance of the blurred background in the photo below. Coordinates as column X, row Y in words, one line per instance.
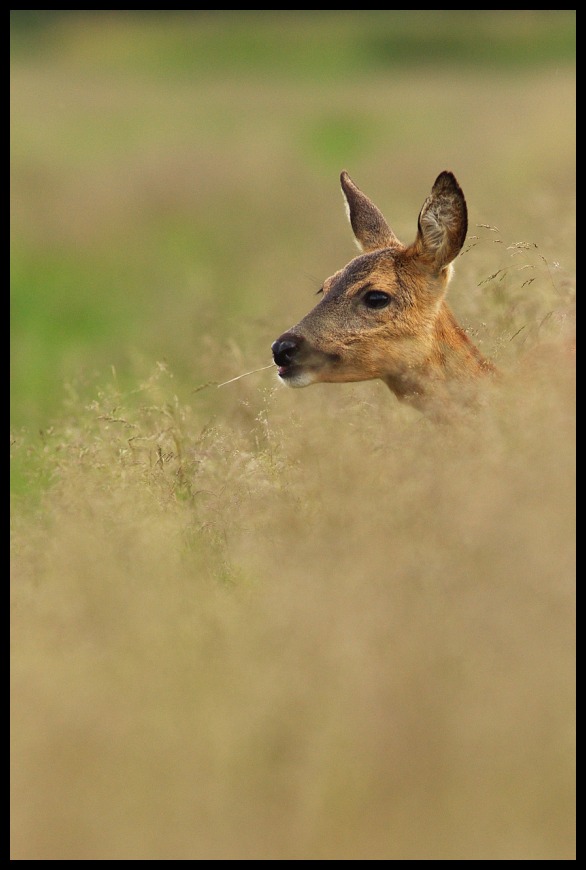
column 175, row 175
column 253, row 623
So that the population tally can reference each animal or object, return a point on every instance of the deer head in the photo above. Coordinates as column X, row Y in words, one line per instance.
column 384, row 315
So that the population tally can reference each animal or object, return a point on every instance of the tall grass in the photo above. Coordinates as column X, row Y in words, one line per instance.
column 332, row 631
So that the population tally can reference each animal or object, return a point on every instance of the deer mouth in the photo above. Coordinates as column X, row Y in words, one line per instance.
column 287, row 371
column 298, row 364
column 295, row 375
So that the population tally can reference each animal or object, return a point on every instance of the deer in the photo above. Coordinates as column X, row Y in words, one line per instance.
column 385, row 316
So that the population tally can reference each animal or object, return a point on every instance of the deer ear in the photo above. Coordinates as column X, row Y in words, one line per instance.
column 443, row 223
column 371, row 230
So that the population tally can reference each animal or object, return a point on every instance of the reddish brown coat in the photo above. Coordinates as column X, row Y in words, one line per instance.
column 384, row 315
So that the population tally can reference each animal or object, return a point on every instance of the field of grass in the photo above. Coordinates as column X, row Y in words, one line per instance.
column 252, row 623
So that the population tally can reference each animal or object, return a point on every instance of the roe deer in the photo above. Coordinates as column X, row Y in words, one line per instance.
column 384, row 315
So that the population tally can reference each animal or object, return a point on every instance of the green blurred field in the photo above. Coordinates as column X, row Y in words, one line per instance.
column 176, row 176
column 257, row 623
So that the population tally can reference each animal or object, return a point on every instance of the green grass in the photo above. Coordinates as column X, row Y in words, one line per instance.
column 303, row 45
column 251, row 623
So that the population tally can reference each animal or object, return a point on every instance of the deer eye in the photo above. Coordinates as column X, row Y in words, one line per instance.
column 376, row 299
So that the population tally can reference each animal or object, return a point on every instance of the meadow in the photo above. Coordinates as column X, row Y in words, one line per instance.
column 252, row 623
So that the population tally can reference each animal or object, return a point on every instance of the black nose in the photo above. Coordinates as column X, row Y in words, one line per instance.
column 284, row 349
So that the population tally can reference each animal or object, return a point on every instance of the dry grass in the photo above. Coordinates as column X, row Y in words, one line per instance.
column 324, row 630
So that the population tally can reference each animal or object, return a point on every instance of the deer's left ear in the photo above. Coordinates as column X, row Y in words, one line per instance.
column 371, row 230
column 443, row 223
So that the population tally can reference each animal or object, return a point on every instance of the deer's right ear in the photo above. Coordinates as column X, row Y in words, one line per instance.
column 443, row 222
column 371, row 230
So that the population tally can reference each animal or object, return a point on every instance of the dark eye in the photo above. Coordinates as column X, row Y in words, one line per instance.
column 376, row 299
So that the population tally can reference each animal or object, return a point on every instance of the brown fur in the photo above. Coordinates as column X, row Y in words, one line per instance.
column 384, row 315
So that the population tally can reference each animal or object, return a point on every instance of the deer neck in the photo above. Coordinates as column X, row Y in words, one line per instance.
column 448, row 374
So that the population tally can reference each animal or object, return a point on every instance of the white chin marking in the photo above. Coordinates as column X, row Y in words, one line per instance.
column 299, row 379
